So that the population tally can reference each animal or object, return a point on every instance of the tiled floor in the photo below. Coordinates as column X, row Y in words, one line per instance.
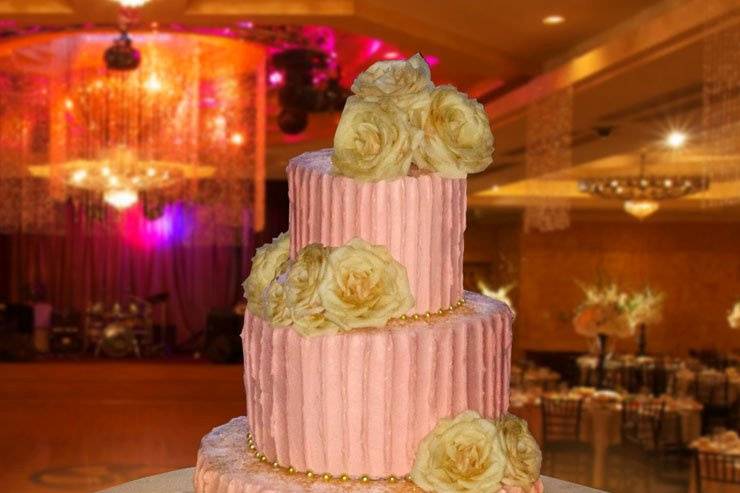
column 83, row 426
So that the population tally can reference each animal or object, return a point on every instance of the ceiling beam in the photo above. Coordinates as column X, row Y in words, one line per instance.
column 271, row 8
column 639, row 42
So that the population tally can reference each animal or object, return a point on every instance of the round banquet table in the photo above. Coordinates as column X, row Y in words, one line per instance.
column 181, row 481
column 601, row 427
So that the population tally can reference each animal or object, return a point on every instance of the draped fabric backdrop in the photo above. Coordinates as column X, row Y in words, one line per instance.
column 90, row 263
column 80, row 268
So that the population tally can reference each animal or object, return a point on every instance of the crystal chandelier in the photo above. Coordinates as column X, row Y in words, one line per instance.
column 119, row 176
column 87, row 141
column 641, row 194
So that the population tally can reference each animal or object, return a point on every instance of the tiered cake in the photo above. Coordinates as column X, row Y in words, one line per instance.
column 366, row 364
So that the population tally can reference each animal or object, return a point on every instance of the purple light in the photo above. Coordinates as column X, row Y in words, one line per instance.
column 245, row 24
column 172, row 227
column 275, row 78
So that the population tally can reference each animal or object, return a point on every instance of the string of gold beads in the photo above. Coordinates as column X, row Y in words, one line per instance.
column 427, row 316
column 312, row 475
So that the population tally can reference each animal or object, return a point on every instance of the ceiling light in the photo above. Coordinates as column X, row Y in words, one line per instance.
column 641, row 194
column 121, row 198
column 552, row 20
column 237, row 139
column 153, row 84
column 79, row 175
column 640, row 208
column 275, row 78
column 132, row 4
column 675, row 139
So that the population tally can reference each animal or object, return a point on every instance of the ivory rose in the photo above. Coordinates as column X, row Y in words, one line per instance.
column 465, row 454
column 373, row 141
column 275, row 307
column 457, row 135
column 364, row 286
column 302, row 290
column 408, row 82
column 522, row 452
column 268, row 262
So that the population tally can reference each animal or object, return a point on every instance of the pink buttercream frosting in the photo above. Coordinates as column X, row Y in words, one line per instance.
column 226, row 466
column 420, row 219
column 360, row 402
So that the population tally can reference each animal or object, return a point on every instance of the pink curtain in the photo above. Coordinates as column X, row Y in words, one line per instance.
column 86, row 266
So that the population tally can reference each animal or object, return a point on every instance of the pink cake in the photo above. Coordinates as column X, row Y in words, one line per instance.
column 335, row 404
column 420, row 219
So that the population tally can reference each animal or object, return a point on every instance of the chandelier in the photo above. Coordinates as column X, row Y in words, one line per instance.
column 120, row 177
column 641, row 194
column 186, row 126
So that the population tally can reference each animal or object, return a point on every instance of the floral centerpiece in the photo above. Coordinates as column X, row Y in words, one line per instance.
column 733, row 317
column 603, row 314
column 644, row 308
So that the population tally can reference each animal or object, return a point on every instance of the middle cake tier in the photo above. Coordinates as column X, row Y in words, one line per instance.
column 419, row 219
column 359, row 403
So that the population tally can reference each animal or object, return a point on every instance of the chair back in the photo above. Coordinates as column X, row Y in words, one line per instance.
column 716, row 467
column 561, row 419
column 642, row 420
column 711, row 390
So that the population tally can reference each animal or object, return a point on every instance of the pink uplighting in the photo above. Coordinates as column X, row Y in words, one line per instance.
column 392, row 55
column 374, row 46
column 431, row 60
column 172, row 227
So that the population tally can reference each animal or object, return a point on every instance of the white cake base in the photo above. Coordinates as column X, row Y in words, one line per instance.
column 225, row 465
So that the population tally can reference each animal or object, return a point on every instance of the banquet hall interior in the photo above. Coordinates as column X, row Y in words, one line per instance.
column 143, row 146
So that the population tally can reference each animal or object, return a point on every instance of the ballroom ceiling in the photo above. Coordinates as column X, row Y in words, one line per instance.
column 473, row 39
column 635, row 66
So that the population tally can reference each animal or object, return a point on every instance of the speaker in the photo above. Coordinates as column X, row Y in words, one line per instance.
column 223, row 343
column 16, row 328
column 66, row 336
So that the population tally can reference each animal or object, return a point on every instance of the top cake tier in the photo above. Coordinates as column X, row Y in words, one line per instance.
column 419, row 219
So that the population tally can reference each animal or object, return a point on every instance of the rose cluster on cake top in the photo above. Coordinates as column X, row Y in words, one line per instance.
column 397, row 119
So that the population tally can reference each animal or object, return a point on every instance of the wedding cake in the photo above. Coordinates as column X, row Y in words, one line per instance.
column 366, row 365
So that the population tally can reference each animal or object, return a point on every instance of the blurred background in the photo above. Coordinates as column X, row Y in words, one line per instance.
column 142, row 155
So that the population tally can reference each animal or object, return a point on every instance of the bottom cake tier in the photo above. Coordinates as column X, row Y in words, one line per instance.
column 225, row 465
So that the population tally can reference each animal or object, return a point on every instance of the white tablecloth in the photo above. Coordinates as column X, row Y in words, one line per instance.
column 181, row 481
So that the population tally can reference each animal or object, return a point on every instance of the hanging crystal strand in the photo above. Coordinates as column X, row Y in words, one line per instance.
column 721, row 112
column 548, row 149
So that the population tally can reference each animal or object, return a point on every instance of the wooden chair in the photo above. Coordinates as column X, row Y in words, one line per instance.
column 564, row 453
column 715, row 467
column 632, row 460
column 642, row 421
column 713, row 394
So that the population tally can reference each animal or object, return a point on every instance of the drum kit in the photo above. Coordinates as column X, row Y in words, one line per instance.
column 125, row 327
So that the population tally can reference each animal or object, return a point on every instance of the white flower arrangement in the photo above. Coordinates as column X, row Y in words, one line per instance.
column 645, row 307
column 733, row 317
column 603, row 312
column 327, row 290
column 397, row 118
column 501, row 294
